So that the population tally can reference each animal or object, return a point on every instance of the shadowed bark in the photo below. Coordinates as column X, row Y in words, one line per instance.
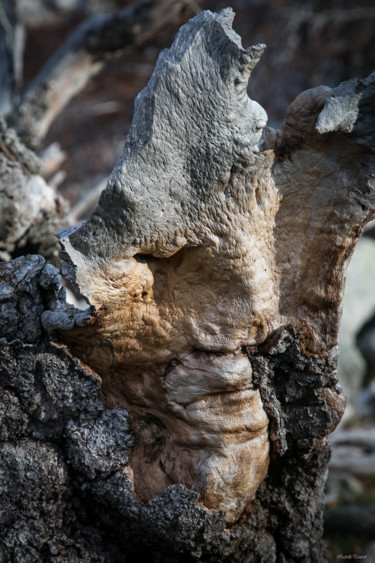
column 30, row 210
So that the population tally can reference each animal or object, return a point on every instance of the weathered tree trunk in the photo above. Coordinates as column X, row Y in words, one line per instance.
column 185, row 416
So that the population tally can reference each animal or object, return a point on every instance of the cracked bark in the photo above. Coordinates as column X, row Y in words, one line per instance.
column 185, row 417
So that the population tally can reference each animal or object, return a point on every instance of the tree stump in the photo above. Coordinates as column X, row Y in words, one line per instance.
column 183, row 415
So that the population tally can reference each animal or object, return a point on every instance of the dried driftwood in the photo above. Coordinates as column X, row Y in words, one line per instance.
column 188, row 417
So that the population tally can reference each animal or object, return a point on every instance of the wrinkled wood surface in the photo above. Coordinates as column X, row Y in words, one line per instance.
column 202, row 246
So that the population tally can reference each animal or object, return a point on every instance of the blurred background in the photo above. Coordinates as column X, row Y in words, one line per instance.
column 309, row 42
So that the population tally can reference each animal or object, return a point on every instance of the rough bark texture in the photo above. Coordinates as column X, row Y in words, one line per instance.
column 30, row 210
column 193, row 425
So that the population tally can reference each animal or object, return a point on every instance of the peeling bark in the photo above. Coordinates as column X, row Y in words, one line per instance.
column 186, row 417
column 65, row 457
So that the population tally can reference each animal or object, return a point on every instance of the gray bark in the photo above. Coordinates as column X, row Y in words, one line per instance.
column 214, row 246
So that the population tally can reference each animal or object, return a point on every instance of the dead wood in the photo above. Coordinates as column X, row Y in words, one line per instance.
column 186, row 415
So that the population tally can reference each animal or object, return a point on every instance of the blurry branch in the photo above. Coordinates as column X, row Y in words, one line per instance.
column 52, row 157
column 354, row 452
column 11, row 53
column 84, row 54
